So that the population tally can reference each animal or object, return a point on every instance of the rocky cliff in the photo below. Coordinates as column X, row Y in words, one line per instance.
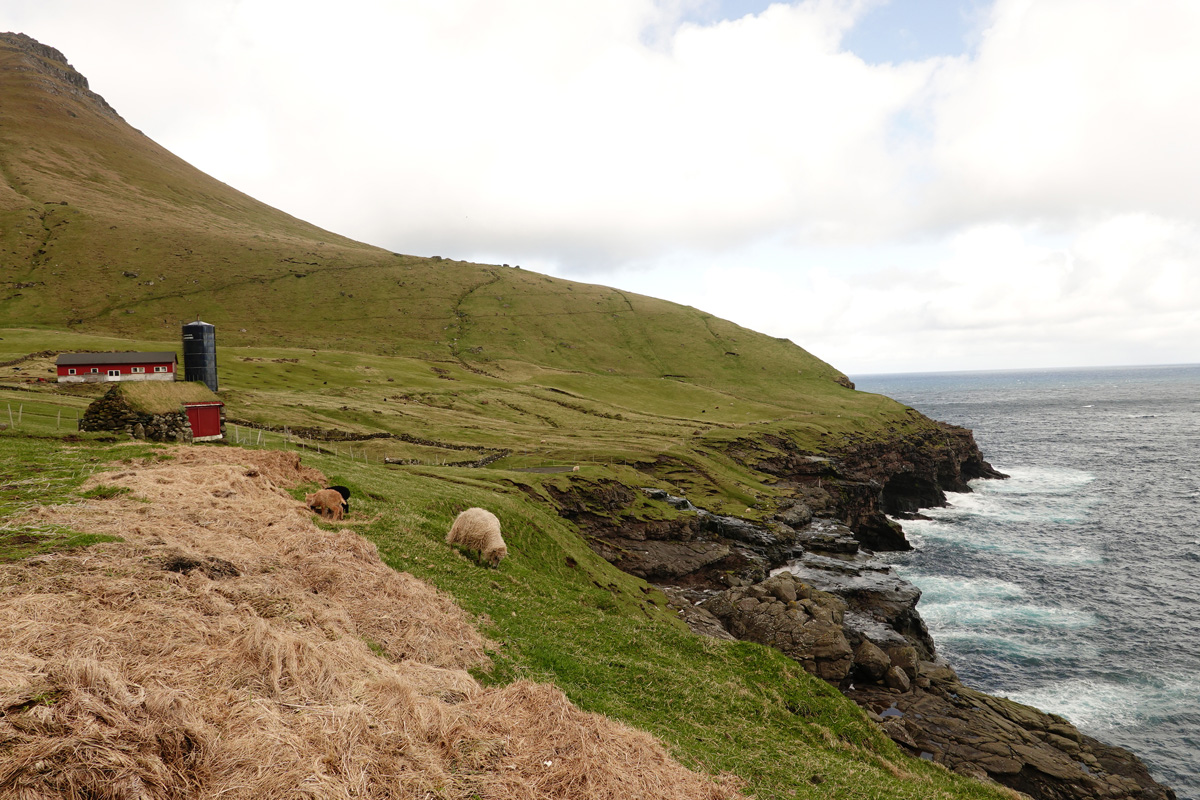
column 805, row 582
column 58, row 75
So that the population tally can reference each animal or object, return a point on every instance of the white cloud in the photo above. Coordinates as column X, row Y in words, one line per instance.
column 993, row 296
column 1032, row 200
column 1073, row 107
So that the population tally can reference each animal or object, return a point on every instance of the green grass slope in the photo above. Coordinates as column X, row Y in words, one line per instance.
column 108, row 242
column 675, row 433
column 560, row 614
column 103, row 230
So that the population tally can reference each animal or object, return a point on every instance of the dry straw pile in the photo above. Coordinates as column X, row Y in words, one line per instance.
column 229, row 648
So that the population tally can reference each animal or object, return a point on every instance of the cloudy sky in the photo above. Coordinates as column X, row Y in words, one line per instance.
column 895, row 185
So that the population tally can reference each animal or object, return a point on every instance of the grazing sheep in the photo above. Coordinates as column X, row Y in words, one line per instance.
column 326, row 500
column 345, row 493
column 478, row 529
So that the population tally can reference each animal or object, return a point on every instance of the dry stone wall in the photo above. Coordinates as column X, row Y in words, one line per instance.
column 112, row 413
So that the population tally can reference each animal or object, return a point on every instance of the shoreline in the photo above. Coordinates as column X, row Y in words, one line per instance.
column 804, row 584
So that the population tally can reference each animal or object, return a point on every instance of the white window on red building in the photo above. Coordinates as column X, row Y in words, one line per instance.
column 114, row 373
column 138, row 370
column 160, row 369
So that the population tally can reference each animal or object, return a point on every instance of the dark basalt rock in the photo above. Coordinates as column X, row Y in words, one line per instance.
column 921, row 704
column 799, row 621
column 870, row 479
column 1018, row 746
column 872, row 589
column 845, row 616
column 674, row 562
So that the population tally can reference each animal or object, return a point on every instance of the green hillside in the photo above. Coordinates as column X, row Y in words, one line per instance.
column 390, row 370
column 104, row 233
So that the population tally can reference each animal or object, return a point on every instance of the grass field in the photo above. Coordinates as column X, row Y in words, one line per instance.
column 561, row 614
column 358, row 356
column 677, row 434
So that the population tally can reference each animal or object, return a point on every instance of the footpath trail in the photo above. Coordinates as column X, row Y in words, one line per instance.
column 229, row 647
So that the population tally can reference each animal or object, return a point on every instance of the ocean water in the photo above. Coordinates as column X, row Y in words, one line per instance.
column 1074, row 586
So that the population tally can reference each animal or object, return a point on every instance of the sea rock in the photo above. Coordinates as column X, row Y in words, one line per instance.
column 657, row 560
column 776, row 544
column 874, row 477
column 681, row 503
column 699, row 619
column 870, row 663
column 827, row 536
column 896, row 678
column 807, row 628
column 795, row 514
column 873, row 590
column 1016, row 745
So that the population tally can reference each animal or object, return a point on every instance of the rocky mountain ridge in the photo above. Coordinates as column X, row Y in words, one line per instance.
column 51, row 63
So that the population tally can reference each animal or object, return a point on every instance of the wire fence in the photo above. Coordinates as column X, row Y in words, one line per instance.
column 37, row 418
column 16, row 417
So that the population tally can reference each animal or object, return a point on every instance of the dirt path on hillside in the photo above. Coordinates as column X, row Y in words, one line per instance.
column 229, row 647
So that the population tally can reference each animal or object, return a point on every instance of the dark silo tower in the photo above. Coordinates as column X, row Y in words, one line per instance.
column 200, row 353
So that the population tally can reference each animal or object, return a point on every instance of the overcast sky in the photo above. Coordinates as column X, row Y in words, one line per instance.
column 903, row 185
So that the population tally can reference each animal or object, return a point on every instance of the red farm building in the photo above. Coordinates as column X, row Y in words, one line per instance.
column 100, row 367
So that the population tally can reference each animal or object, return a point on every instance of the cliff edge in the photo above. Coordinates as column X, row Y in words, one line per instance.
column 805, row 581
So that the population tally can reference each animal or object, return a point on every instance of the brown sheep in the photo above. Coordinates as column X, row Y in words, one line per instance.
column 326, row 501
column 478, row 529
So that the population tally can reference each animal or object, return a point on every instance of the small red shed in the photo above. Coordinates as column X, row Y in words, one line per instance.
column 205, row 419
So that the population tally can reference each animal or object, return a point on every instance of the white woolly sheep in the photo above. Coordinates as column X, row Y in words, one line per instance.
column 326, row 500
column 478, row 529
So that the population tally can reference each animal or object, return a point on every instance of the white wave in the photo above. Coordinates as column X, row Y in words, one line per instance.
column 1011, row 648
column 1096, row 704
column 972, row 614
column 1026, row 543
column 1035, row 480
column 1018, row 517
column 943, row 588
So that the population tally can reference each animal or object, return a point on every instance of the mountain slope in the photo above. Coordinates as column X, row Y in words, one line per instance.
column 107, row 242
column 106, row 231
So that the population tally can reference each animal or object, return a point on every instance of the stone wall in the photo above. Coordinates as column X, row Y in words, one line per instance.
column 112, row 413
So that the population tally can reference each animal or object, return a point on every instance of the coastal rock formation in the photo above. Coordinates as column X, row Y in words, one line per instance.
column 799, row 621
column 918, row 700
column 885, row 603
column 801, row 582
column 867, row 479
column 976, row 734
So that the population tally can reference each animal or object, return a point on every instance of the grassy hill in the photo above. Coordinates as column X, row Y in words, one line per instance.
column 109, row 242
column 554, row 610
column 104, row 233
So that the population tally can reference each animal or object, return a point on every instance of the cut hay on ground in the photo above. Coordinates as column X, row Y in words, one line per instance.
column 229, row 648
